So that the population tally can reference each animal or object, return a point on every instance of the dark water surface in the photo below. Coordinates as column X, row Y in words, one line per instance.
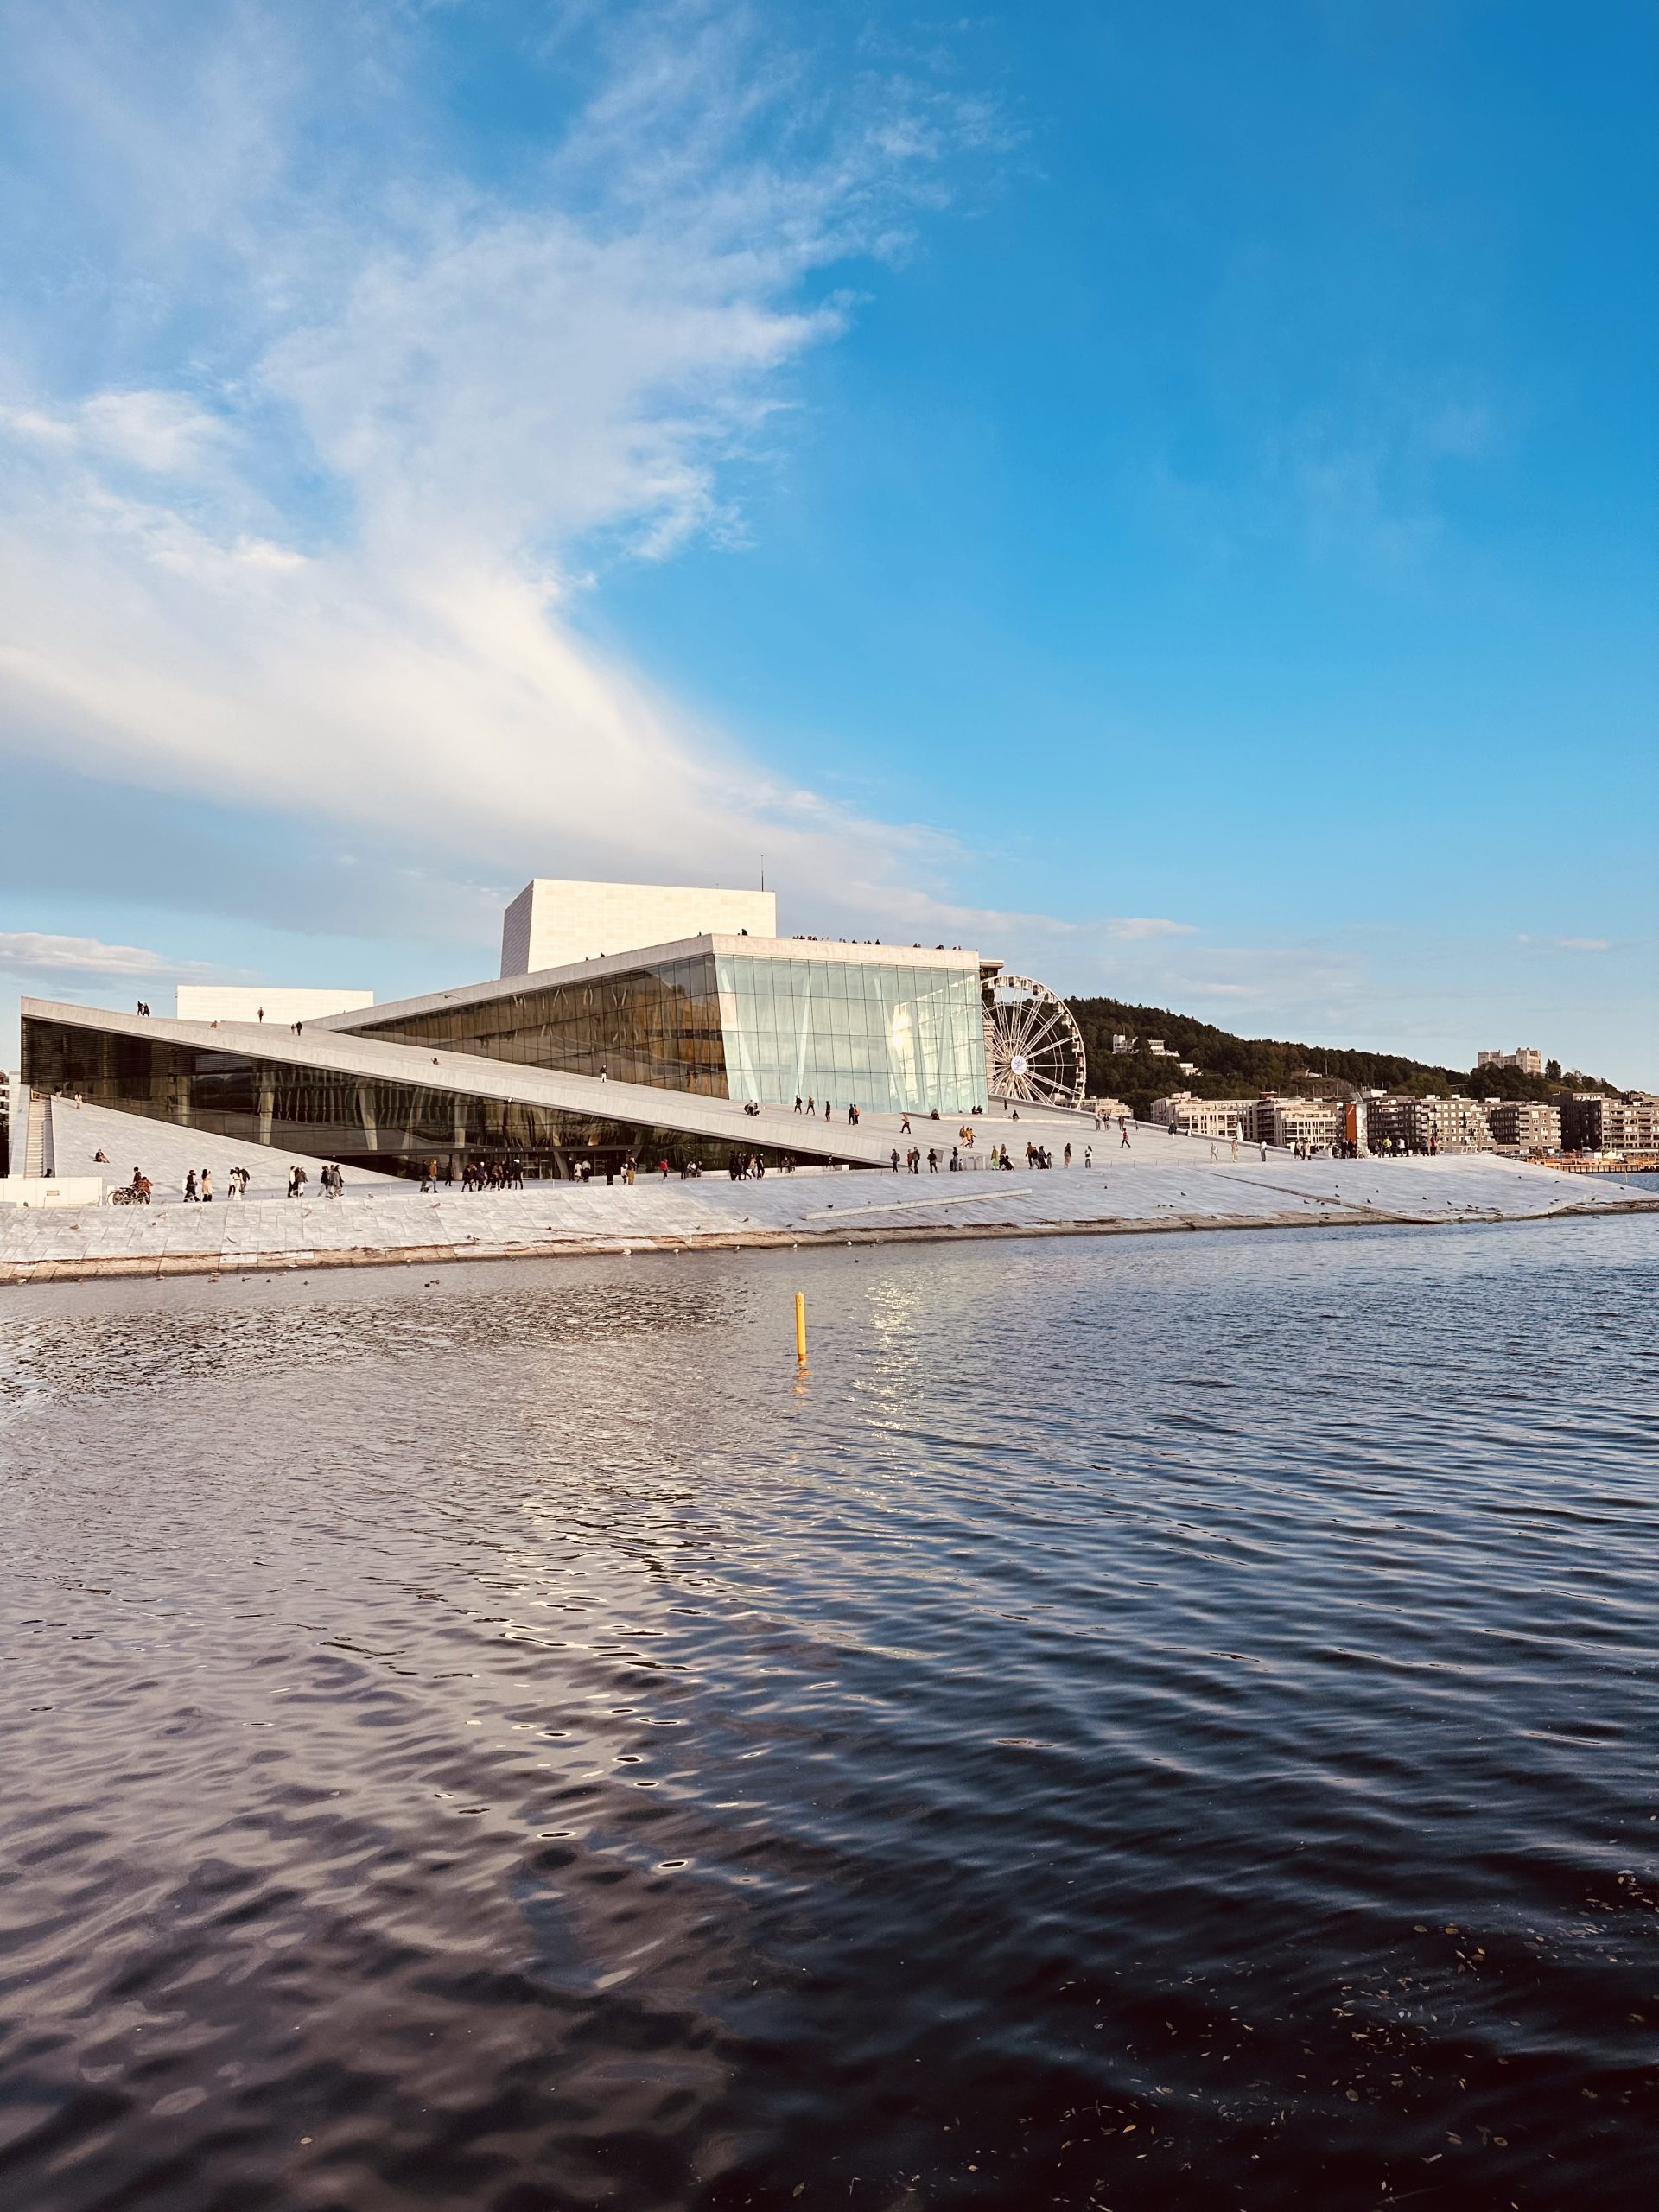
column 1147, row 1723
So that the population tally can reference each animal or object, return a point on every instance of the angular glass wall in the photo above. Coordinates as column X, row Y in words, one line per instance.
column 886, row 1037
column 657, row 1024
column 371, row 1121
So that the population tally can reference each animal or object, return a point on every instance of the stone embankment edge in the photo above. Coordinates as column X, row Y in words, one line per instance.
column 589, row 1248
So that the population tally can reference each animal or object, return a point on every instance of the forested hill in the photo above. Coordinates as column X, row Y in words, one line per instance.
column 1241, row 1067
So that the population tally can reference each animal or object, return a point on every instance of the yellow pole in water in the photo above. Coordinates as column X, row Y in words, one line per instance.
column 800, row 1327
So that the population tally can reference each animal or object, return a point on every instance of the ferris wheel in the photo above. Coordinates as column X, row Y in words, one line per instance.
column 1033, row 1049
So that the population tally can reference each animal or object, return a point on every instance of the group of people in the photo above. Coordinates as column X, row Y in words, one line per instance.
column 332, row 1181
column 479, row 1175
column 1038, row 1155
column 811, row 1108
column 199, row 1187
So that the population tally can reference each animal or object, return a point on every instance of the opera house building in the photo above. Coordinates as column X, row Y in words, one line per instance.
column 629, row 1020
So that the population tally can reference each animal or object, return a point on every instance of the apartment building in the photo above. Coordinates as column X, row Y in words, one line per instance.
column 1315, row 1122
column 1592, row 1123
column 1452, row 1124
column 1527, row 1059
column 1524, row 1124
column 1201, row 1117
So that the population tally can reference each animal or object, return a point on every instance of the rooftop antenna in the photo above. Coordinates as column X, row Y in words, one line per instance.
column 763, row 871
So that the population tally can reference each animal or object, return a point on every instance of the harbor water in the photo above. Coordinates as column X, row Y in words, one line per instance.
column 1138, row 1722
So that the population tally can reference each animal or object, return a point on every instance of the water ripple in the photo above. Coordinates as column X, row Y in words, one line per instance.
column 1132, row 1727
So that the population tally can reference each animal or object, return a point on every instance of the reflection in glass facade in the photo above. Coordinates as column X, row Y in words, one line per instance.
column 369, row 1121
column 882, row 1035
column 657, row 1024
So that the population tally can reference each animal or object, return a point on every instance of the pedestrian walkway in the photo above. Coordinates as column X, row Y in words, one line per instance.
column 389, row 1223
column 78, row 1132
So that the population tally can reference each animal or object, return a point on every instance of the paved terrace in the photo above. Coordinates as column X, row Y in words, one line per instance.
column 1167, row 1186
column 77, row 1133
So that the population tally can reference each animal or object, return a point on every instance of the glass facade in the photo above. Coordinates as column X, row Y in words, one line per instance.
column 884, row 1036
column 366, row 1120
column 656, row 1025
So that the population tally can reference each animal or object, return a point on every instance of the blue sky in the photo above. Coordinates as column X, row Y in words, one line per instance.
column 1165, row 495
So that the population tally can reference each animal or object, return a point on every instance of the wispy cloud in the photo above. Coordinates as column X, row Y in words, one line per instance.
column 1137, row 926
column 27, row 953
column 335, row 565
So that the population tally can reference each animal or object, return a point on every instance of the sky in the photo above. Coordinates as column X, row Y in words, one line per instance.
column 1165, row 495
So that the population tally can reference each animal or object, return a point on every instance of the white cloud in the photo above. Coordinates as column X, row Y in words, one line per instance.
column 27, row 952
column 1568, row 943
column 162, row 433
column 363, row 605
column 1137, row 926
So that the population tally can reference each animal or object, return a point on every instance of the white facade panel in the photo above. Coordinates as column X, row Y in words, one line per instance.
column 272, row 1002
column 555, row 924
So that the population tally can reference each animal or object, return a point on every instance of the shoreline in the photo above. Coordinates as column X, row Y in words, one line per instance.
column 752, row 1237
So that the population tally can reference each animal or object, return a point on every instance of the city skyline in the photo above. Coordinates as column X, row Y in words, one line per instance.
column 1169, row 503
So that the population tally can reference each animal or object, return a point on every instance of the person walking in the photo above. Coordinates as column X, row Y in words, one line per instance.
column 1068, row 1155
column 904, row 1125
column 797, row 1101
column 932, row 1161
column 191, row 1195
column 1088, row 1155
column 207, row 1186
column 1123, row 1137
column 662, row 1164
column 895, row 1160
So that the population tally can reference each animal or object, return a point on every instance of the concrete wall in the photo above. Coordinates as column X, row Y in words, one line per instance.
column 51, row 1191
column 553, row 922
column 281, row 1003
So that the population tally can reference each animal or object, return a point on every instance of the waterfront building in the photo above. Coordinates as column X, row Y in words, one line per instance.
column 1454, row 1124
column 771, row 1019
column 1315, row 1122
column 1526, row 1124
column 1202, row 1117
column 1591, row 1122
column 685, row 1047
